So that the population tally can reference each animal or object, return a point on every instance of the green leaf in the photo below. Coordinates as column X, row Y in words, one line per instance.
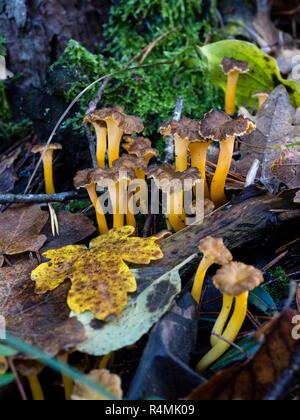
column 264, row 73
column 6, row 379
column 152, row 300
column 233, row 355
column 6, row 351
column 263, row 301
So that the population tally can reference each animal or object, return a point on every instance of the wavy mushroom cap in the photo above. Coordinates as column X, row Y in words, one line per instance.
column 261, row 94
column 93, row 118
column 139, row 146
column 128, row 123
column 186, row 129
column 41, row 147
column 219, row 126
column 236, row 278
column 105, row 177
column 297, row 197
column 130, row 162
column 166, row 177
column 83, row 178
column 230, row 65
column 214, row 249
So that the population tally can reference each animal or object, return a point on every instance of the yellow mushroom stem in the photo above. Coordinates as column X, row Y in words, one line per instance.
column 232, row 81
column 101, row 220
column 262, row 100
column 205, row 264
column 233, row 328
column 114, row 139
column 48, row 172
column 101, row 133
column 116, row 193
column 198, row 160
column 68, row 382
column 181, row 153
column 217, row 190
column 36, row 389
column 222, row 319
column 176, row 213
column 107, row 361
column 130, row 218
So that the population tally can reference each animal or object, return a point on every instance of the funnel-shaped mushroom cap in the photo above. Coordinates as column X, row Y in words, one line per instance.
column 297, row 198
column 261, row 94
column 230, row 65
column 236, row 278
column 186, row 129
column 41, row 147
column 215, row 250
column 83, row 179
column 219, row 126
column 129, row 124
column 104, row 176
column 130, row 162
column 165, row 175
column 139, row 146
column 93, row 118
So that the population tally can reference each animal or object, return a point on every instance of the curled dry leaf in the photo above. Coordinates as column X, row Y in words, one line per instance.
column 286, row 168
column 100, row 278
column 109, row 381
column 20, row 228
column 255, row 378
column 42, row 321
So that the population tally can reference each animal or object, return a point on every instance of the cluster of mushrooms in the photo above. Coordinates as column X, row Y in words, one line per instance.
column 192, row 138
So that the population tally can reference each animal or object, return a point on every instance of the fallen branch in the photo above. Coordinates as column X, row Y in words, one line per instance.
column 41, row 198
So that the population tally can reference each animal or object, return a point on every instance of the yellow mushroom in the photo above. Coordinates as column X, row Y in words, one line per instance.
column 214, row 252
column 262, row 97
column 234, row 280
column 84, row 179
column 182, row 131
column 198, row 148
column 101, row 134
column 48, row 164
column 232, row 68
column 140, row 147
column 218, row 126
column 172, row 183
column 31, row 369
column 117, row 123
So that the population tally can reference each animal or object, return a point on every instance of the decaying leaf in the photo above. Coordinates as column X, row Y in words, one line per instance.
column 20, row 228
column 73, row 228
column 100, row 278
column 42, row 321
column 111, row 382
column 255, row 378
column 286, row 168
column 156, row 291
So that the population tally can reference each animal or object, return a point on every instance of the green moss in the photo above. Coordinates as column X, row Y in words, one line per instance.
column 280, row 289
column 148, row 93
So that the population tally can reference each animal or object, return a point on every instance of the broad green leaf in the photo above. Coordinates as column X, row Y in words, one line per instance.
column 233, row 355
column 6, row 351
column 263, row 301
column 264, row 73
column 6, row 379
column 152, row 300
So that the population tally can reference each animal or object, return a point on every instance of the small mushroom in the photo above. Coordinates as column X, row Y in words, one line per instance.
column 140, row 147
column 117, row 123
column 109, row 381
column 234, row 280
column 84, row 179
column 232, row 68
column 101, row 133
column 182, row 131
column 48, row 164
column 198, row 148
column 214, row 252
column 218, row 126
column 262, row 97
column 31, row 369
column 164, row 176
column 117, row 176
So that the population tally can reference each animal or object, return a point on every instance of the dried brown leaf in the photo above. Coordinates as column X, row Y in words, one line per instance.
column 40, row 320
column 286, row 168
column 20, row 228
column 255, row 378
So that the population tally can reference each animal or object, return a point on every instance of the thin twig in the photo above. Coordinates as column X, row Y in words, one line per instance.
column 17, row 379
column 232, row 344
column 41, row 198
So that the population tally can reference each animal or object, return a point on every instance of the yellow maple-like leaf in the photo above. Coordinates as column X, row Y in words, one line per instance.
column 100, row 278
